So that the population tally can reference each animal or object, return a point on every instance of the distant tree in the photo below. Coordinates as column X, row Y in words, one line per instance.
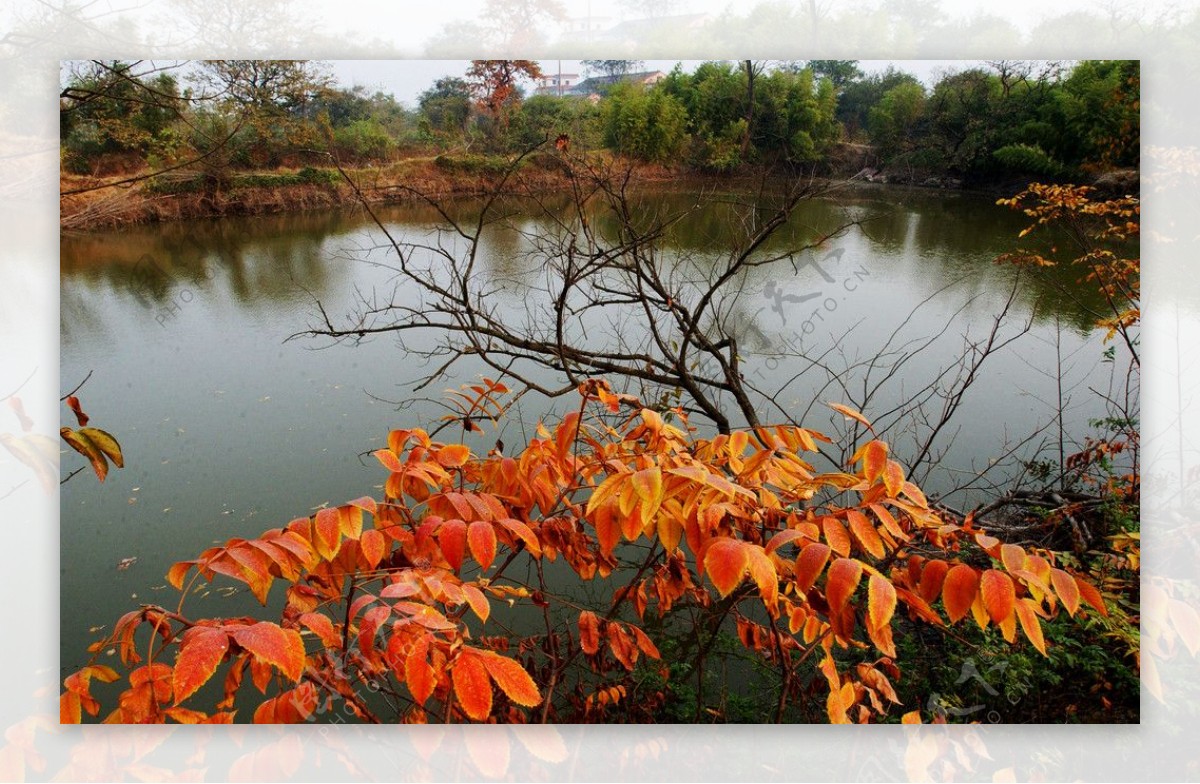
column 271, row 99
column 893, row 122
column 267, row 86
column 646, row 124
column 840, row 72
column 517, row 24
column 445, row 107
column 494, row 85
column 115, row 107
column 612, row 68
column 859, row 96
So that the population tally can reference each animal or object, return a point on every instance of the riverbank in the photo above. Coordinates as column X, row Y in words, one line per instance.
column 103, row 203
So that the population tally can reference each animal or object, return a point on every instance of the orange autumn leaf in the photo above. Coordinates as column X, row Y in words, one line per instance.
column 268, row 643
column 328, row 528
column 881, row 601
column 841, row 581
column 874, row 459
column 809, row 564
column 589, row 632
column 865, row 533
column 373, row 547
column 998, row 594
column 958, row 591
column 1027, row 614
column 851, row 413
column 1067, row 590
column 200, row 652
column 472, row 688
column 420, row 676
column 482, row 539
column 726, row 562
column 453, row 456
column 512, row 679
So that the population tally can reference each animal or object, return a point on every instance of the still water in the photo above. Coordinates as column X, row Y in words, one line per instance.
column 229, row 428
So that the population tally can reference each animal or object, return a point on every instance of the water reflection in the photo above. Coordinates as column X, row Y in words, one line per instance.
column 229, row 430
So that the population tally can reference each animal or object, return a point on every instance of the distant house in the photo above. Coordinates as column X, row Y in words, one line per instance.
column 581, row 29
column 556, row 83
column 597, row 86
column 628, row 34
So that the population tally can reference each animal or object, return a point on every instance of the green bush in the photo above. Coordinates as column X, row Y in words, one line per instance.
column 1029, row 159
column 646, row 124
column 364, row 140
column 472, row 164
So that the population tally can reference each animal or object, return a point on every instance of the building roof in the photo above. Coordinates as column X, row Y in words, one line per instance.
column 597, row 83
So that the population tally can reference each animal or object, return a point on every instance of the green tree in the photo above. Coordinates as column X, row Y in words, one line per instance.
column 894, row 122
column 445, row 107
column 646, row 124
column 108, row 108
column 858, row 97
column 839, row 72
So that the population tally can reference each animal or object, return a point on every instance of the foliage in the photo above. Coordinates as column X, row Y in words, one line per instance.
column 363, row 140
column 1100, row 234
column 392, row 606
column 107, row 108
column 612, row 68
column 98, row 446
column 494, row 85
column 645, row 124
column 784, row 117
column 445, row 108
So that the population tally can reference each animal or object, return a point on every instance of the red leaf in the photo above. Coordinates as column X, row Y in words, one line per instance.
column 471, row 685
column 323, row 628
column 1030, row 624
column 932, row 578
column 842, row 580
column 589, row 632
column 452, row 537
column 268, row 643
column 373, row 547
column 200, row 652
column 881, row 602
column 1067, row 590
column 835, row 534
column 809, row 563
column 525, row 534
column 1091, row 595
column 874, row 459
column 998, row 593
column 73, row 404
column 482, row 539
column 419, row 675
column 726, row 562
column 865, row 533
column 290, row 707
column 511, row 678
column 958, row 591
column 453, row 456
column 328, row 533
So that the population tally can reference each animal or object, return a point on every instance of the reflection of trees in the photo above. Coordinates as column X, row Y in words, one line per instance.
column 270, row 258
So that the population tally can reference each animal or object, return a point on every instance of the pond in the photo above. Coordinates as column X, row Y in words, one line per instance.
column 229, row 428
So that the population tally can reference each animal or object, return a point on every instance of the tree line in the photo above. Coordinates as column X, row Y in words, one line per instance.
column 1005, row 120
